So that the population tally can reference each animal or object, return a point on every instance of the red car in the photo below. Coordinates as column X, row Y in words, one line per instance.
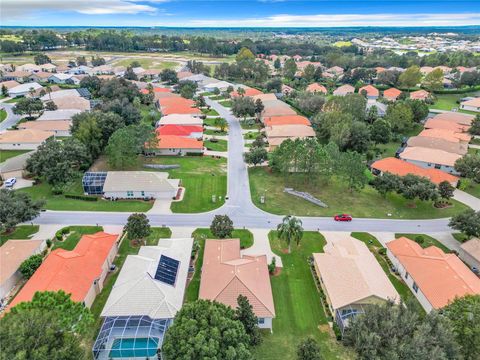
column 342, row 217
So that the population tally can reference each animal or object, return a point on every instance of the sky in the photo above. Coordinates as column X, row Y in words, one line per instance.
column 239, row 13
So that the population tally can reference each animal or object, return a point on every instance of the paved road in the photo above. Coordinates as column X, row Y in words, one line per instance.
column 11, row 119
column 239, row 206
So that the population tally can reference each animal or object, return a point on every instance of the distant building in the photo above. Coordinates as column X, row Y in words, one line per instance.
column 391, row 94
column 470, row 253
column 471, row 105
column 23, row 89
column 23, row 139
column 344, row 90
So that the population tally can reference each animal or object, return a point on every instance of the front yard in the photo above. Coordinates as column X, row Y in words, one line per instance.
column 21, row 232
column 74, row 235
column 7, row 154
column 299, row 312
column 202, row 234
column 218, row 145
column 335, row 193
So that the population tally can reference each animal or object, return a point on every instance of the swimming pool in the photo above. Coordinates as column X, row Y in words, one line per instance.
column 134, row 347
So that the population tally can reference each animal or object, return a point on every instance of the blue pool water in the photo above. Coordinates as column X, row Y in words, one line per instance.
column 131, row 347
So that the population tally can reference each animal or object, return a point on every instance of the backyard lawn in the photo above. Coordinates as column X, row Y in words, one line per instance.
column 72, row 239
column 7, row 154
column 246, row 240
column 389, row 149
column 226, row 103
column 299, row 312
column 427, row 241
column 335, row 193
column 219, row 145
column 21, row 232
column 43, row 191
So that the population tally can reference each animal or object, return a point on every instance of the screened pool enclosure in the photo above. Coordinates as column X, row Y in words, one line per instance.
column 93, row 182
column 130, row 337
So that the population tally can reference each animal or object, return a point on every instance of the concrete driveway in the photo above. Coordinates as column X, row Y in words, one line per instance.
column 21, row 183
column 161, row 206
column 467, row 199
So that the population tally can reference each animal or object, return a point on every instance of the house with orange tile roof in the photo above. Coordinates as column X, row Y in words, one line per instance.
column 175, row 145
column 317, row 88
column 471, row 105
column 402, row 168
column 58, row 127
column 189, row 131
column 286, row 120
column 420, row 95
column 248, row 92
column 446, row 125
column 27, row 139
column 226, row 274
column 177, row 105
column 276, row 108
column 431, row 158
column 435, row 278
column 279, row 133
column 79, row 272
column 392, row 94
column 344, row 90
column 438, row 143
column 447, row 135
column 156, row 90
column 456, row 117
column 12, row 254
column 370, row 90
column 351, row 279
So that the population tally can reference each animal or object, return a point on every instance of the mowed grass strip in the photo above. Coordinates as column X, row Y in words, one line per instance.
column 7, row 154
column 202, row 234
column 21, row 232
column 366, row 202
column 299, row 312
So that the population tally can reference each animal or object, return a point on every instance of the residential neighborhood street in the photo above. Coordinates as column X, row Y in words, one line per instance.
column 11, row 119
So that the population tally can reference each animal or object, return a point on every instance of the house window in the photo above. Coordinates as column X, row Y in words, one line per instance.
column 406, row 275
column 438, row 166
column 415, row 287
column 130, row 193
column 261, row 321
column 143, row 193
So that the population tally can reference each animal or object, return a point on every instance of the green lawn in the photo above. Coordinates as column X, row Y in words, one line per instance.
column 473, row 189
column 427, row 241
column 60, row 202
column 215, row 132
column 475, row 141
column 251, row 135
column 125, row 249
column 3, row 115
column 226, row 103
column 21, row 232
column 210, row 122
column 217, row 97
column 389, row 149
column 374, row 245
column 363, row 203
column 76, row 232
column 211, row 112
column 246, row 240
column 447, row 101
column 246, row 125
column 298, row 308
column 7, row 154
column 461, row 237
column 148, row 63
column 13, row 100
column 219, row 145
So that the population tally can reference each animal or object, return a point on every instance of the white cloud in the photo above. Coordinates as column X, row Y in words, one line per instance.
column 22, row 8
column 341, row 20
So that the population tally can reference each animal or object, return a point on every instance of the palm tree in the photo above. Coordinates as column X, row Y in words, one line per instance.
column 290, row 229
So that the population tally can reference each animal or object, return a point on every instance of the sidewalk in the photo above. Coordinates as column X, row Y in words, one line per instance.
column 467, row 199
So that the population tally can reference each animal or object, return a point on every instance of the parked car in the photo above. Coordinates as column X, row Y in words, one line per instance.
column 10, row 182
column 343, row 217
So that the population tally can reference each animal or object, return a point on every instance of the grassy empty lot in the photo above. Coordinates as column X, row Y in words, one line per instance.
column 219, row 145
column 7, row 154
column 363, row 203
column 21, row 232
column 76, row 232
column 246, row 240
column 427, row 241
column 449, row 101
column 148, row 63
column 60, row 202
column 299, row 312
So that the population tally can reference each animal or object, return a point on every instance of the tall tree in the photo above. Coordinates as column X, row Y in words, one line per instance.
column 400, row 117
column 247, row 317
column 28, row 106
column 169, row 76
column 289, row 69
column 244, row 54
column 17, row 207
column 206, row 330
column 221, row 226
column 469, row 166
column 352, row 170
column 464, row 314
column 410, row 77
column 256, row 155
column 308, row 349
column 475, row 128
column 137, row 226
column 433, row 80
column 243, row 106
column 290, row 229
column 467, row 222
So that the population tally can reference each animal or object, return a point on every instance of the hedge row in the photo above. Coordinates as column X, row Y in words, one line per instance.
column 81, row 197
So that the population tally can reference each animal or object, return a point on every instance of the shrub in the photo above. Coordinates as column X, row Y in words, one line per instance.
column 49, row 243
column 419, row 239
column 30, row 265
column 382, row 251
column 81, row 197
column 272, row 266
column 59, row 236
column 65, row 230
column 57, row 190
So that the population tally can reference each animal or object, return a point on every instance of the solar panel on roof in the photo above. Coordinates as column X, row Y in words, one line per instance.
column 167, row 270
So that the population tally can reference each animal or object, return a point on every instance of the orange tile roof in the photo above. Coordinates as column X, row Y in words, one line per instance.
column 456, row 117
column 391, row 93
column 286, row 120
column 156, row 90
column 178, row 142
column 445, row 124
column 441, row 277
column 435, row 156
column 419, row 95
column 446, row 135
column 227, row 274
column 371, row 90
column 248, row 92
column 13, row 253
column 27, row 136
column 46, row 125
column 177, row 105
column 401, row 168
column 316, row 87
column 172, row 101
column 71, row 271
column 344, row 90
column 179, row 130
